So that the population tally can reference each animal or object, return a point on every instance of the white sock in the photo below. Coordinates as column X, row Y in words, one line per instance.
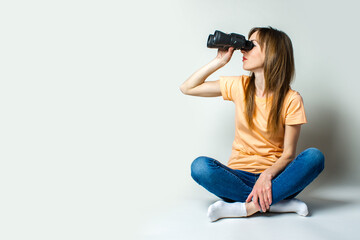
column 290, row 205
column 221, row 209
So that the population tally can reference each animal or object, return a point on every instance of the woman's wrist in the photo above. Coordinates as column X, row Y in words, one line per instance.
column 267, row 174
column 217, row 63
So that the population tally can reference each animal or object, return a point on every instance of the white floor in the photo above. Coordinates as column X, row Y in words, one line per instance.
column 334, row 213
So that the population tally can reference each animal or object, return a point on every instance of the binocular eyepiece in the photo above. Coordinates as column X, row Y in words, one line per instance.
column 224, row 41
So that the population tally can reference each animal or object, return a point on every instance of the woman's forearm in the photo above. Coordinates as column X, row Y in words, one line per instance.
column 201, row 75
column 278, row 166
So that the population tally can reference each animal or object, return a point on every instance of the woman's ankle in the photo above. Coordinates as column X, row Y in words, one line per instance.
column 251, row 208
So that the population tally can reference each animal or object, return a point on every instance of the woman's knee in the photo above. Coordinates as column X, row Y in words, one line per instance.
column 317, row 158
column 200, row 168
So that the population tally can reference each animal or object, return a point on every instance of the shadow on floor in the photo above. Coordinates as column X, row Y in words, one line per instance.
column 319, row 204
column 315, row 205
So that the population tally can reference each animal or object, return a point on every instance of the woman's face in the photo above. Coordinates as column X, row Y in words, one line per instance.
column 253, row 60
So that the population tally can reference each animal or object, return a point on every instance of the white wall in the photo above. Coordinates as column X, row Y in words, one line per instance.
column 95, row 132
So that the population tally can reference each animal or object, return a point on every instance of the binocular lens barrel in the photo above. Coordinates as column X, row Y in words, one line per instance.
column 224, row 41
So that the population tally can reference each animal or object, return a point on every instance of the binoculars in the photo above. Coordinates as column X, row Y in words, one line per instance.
column 224, row 41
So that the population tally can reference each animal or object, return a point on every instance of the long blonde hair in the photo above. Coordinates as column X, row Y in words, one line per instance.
column 279, row 70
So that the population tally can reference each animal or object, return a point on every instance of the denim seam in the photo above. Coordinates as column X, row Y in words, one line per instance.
column 232, row 174
column 286, row 169
column 292, row 162
column 297, row 189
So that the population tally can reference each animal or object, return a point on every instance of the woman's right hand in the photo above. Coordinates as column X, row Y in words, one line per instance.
column 224, row 56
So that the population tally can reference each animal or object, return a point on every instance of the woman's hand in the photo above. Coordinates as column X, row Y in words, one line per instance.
column 261, row 192
column 224, row 56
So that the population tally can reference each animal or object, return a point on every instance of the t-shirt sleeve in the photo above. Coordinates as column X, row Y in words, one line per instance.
column 295, row 113
column 229, row 87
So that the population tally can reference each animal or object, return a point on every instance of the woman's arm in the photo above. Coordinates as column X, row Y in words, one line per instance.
column 292, row 133
column 195, row 85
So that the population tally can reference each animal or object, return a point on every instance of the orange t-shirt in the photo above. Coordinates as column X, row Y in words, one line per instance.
column 254, row 150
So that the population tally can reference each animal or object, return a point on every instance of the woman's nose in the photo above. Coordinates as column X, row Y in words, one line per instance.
column 242, row 51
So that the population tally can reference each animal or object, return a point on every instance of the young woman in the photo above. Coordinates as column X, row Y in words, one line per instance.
column 263, row 172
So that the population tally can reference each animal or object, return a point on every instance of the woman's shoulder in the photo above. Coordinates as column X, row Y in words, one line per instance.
column 292, row 95
column 234, row 78
column 245, row 79
column 239, row 80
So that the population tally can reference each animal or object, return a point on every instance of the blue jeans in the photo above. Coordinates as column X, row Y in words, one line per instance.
column 235, row 185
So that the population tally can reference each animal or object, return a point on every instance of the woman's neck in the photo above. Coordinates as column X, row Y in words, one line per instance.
column 259, row 82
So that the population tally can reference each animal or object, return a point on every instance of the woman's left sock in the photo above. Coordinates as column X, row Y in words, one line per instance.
column 221, row 209
column 290, row 205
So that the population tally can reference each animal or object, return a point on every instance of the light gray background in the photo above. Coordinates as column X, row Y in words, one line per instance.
column 96, row 137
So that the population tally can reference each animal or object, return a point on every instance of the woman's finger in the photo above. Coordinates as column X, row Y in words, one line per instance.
column 249, row 197
column 270, row 197
column 266, row 202
column 262, row 203
column 255, row 200
column 259, row 202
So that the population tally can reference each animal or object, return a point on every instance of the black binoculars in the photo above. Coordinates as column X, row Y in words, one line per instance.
column 224, row 41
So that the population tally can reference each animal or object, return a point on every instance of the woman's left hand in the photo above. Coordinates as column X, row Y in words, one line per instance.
column 261, row 192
